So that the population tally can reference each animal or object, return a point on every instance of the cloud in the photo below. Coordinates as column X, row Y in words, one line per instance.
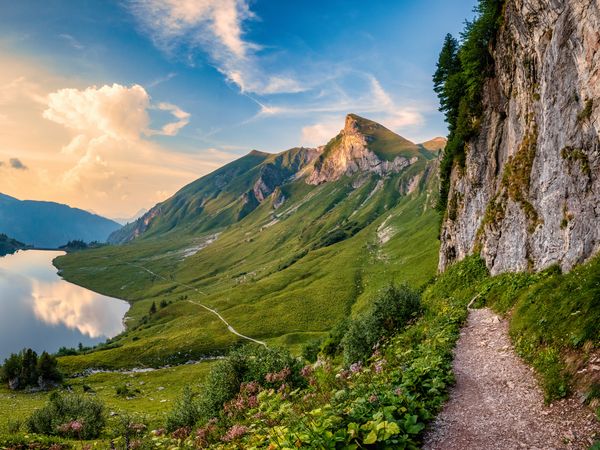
column 16, row 163
column 81, row 310
column 117, row 111
column 217, row 27
column 171, row 129
column 72, row 41
column 319, row 133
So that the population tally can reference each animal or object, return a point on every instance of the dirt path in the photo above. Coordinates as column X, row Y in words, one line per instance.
column 212, row 311
column 496, row 402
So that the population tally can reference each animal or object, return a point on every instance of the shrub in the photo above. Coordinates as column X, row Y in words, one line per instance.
column 393, row 309
column 332, row 344
column 310, row 351
column 185, row 413
column 267, row 366
column 69, row 415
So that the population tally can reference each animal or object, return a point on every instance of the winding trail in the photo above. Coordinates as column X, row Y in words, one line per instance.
column 212, row 311
column 497, row 403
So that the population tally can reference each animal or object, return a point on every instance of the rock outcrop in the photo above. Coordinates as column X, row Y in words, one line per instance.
column 349, row 152
column 529, row 195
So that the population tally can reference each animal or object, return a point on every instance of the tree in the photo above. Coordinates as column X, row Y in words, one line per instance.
column 29, row 375
column 447, row 82
column 11, row 370
column 47, row 369
column 153, row 308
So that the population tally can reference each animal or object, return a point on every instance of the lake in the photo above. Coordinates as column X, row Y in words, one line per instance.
column 40, row 310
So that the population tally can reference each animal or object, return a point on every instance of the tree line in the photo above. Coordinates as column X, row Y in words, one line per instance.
column 26, row 370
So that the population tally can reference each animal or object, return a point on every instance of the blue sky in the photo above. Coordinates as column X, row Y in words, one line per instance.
column 229, row 75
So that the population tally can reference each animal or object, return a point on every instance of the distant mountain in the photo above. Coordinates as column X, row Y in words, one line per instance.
column 229, row 194
column 126, row 220
column 9, row 245
column 49, row 224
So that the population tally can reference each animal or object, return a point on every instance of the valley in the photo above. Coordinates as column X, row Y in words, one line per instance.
column 284, row 273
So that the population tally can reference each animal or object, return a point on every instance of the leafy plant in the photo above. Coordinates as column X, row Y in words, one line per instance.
column 69, row 415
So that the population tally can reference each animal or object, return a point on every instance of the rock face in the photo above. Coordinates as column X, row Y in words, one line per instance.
column 529, row 195
column 349, row 152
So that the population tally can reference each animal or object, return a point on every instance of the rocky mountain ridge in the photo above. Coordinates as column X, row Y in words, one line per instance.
column 349, row 152
column 230, row 193
column 529, row 194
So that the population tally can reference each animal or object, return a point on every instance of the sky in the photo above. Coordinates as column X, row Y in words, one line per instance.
column 112, row 106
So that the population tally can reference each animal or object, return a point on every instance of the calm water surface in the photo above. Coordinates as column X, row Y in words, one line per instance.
column 39, row 309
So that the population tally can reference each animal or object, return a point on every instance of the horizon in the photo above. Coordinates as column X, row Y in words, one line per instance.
column 112, row 107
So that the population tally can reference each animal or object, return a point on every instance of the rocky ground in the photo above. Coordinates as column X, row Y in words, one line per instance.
column 497, row 403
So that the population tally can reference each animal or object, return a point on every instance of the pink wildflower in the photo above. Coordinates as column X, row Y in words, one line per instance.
column 235, row 432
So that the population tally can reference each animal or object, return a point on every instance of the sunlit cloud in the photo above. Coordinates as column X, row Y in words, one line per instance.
column 216, row 27
column 82, row 310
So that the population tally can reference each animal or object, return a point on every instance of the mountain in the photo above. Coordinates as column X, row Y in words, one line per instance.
column 126, row 220
column 9, row 245
column 283, row 245
column 528, row 194
column 49, row 224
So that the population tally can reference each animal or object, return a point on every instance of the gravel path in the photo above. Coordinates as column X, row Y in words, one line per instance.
column 211, row 310
column 496, row 402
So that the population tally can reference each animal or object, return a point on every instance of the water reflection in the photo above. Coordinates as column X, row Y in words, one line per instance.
column 38, row 309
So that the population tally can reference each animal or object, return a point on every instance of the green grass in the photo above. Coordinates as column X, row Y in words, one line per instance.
column 157, row 392
column 554, row 321
column 277, row 275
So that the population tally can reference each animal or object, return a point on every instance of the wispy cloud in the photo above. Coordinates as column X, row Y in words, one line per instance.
column 71, row 41
column 216, row 27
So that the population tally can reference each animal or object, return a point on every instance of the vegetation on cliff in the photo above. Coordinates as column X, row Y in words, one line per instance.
column 462, row 68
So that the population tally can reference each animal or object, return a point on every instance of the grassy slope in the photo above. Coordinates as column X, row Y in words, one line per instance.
column 272, row 275
column 157, row 392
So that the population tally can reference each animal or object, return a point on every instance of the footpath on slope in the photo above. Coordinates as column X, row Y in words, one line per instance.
column 211, row 310
column 497, row 403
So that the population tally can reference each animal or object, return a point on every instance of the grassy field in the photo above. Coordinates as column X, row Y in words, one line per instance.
column 151, row 393
column 285, row 275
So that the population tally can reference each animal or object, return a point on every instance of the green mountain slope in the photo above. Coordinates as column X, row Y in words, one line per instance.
column 301, row 259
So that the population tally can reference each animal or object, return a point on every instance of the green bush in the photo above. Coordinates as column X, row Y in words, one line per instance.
column 332, row 344
column 250, row 363
column 310, row 351
column 393, row 309
column 68, row 415
column 185, row 413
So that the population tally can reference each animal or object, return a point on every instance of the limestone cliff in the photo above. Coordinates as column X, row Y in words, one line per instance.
column 529, row 195
column 362, row 146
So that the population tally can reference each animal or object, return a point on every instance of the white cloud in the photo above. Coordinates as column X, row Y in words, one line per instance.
column 171, row 129
column 216, row 26
column 319, row 133
column 117, row 111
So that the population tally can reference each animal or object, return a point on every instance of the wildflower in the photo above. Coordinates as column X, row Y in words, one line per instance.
column 307, row 371
column 372, row 398
column 181, row 433
column 379, row 365
column 137, row 427
column 278, row 376
column 355, row 367
column 398, row 391
column 235, row 432
column 159, row 432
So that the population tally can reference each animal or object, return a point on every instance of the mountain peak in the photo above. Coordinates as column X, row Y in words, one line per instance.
column 363, row 145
